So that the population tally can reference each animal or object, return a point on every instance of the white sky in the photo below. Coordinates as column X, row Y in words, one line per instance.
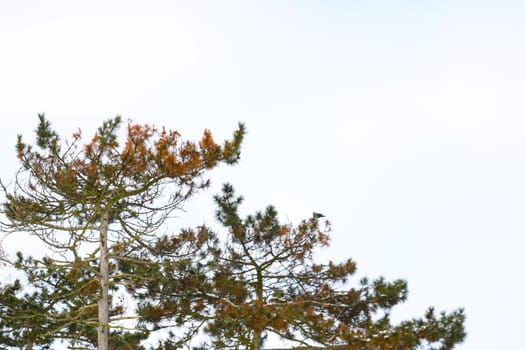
column 402, row 121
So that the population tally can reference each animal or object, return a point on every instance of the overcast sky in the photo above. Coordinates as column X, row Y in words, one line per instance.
column 402, row 121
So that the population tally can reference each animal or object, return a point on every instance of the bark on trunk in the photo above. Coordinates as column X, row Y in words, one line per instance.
column 257, row 336
column 103, row 303
column 256, row 345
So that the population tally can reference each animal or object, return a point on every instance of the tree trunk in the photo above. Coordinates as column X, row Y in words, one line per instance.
column 257, row 336
column 103, row 303
column 29, row 345
column 256, row 345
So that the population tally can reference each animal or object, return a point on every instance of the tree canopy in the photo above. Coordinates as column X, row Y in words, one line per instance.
column 262, row 279
column 111, row 280
column 95, row 203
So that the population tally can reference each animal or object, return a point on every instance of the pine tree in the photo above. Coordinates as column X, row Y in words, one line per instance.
column 263, row 279
column 94, row 205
